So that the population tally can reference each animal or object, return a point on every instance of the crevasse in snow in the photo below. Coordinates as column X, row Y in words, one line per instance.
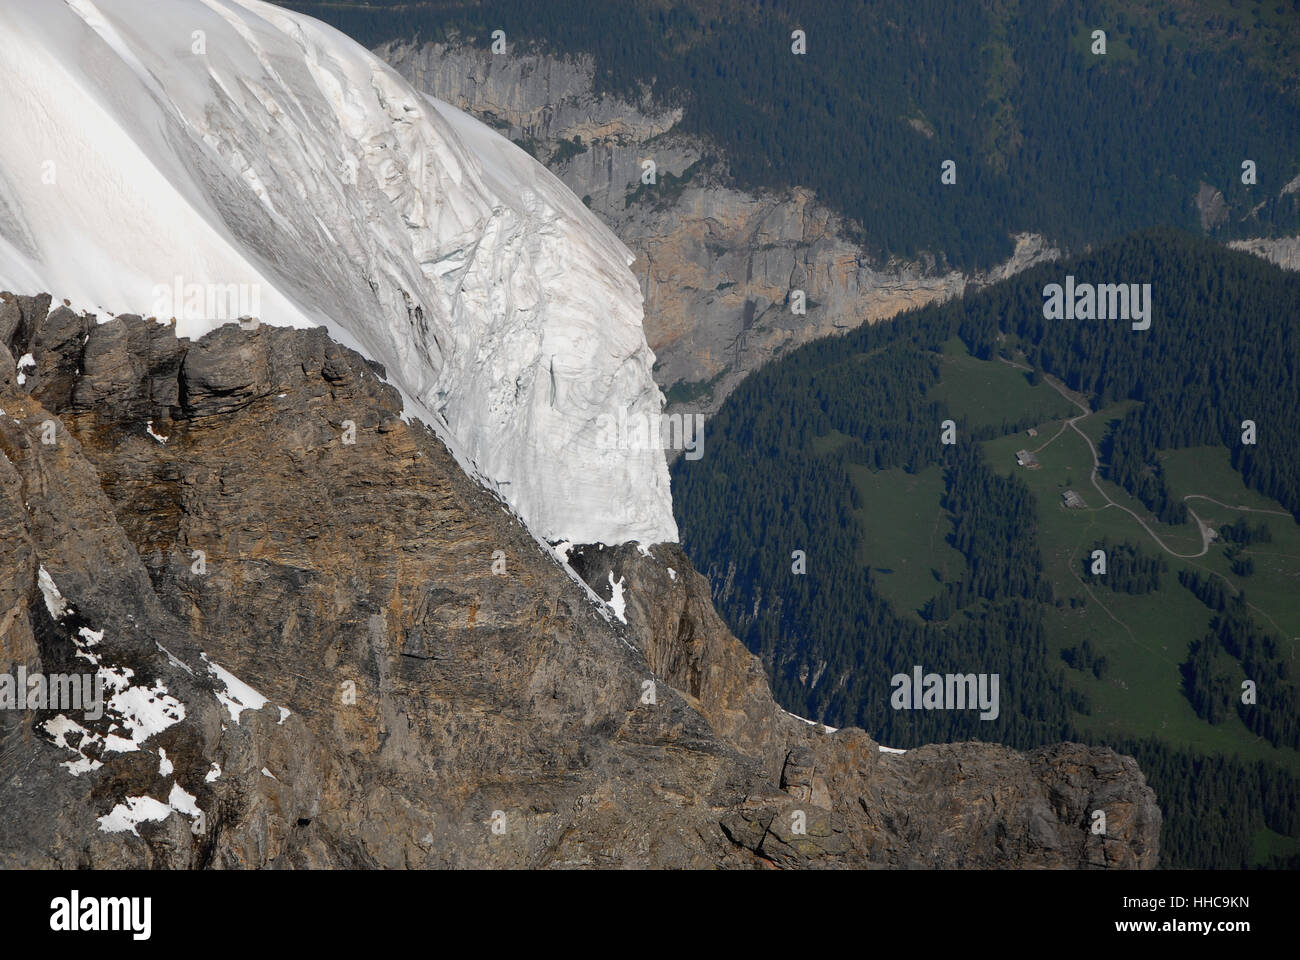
column 262, row 155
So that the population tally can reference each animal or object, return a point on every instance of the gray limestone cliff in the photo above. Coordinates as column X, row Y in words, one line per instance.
column 1282, row 251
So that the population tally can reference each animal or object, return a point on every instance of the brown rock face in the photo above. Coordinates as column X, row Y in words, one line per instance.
column 685, row 641
column 429, row 686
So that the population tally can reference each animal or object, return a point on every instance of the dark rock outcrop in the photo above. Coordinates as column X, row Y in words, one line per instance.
column 668, row 608
column 331, row 648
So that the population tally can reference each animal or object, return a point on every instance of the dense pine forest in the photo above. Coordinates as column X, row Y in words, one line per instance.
column 779, row 478
column 1046, row 136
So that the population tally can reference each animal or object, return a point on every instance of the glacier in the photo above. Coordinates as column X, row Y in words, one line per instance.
column 231, row 142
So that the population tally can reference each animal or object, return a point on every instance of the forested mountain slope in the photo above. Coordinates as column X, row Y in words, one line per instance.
column 1046, row 135
column 847, row 542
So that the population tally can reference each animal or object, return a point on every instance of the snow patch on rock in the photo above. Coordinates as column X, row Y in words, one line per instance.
column 126, row 816
column 237, row 695
column 133, row 811
column 132, row 713
column 54, row 601
column 811, row 723
column 617, row 602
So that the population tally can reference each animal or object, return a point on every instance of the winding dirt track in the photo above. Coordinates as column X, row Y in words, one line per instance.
column 1204, row 529
column 1072, row 423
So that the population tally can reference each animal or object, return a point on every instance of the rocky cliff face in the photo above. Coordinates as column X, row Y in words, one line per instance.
column 717, row 265
column 1282, row 251
column 325, row 646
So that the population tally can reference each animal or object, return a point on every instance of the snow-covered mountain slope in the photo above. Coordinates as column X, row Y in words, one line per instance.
column 150, row 146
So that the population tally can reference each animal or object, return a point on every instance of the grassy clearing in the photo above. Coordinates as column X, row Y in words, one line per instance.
column 829, row 443
column 1269, row 844
column 1099, row 424
column 1145, row 637
column 906, row 533
column 1208, row 471
column 990, row 394
column 1274, row 589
